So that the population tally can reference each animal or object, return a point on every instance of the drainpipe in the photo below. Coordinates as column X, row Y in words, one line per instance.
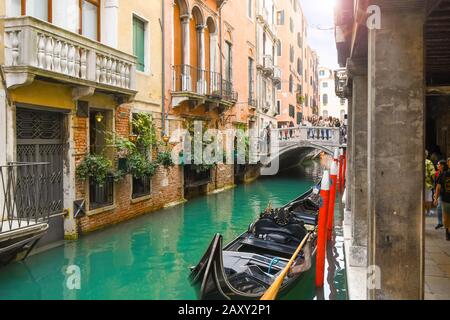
column 163, row 71
column 220, row 46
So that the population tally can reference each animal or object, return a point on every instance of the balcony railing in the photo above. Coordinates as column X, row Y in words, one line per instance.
column 37, row 48
column 191, row 80
column 25, row 199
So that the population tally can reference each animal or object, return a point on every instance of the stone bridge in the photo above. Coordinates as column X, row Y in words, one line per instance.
column 297, row 143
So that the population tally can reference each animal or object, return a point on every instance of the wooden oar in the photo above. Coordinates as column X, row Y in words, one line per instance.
column 272, row 292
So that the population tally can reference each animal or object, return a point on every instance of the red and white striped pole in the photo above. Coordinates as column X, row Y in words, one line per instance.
column 333, row 175
column 322, row 230
column 341, row 169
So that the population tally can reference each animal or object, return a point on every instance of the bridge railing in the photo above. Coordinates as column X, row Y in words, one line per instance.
column 317, row 135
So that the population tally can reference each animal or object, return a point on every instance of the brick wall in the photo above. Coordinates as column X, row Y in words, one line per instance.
column 166, row 185
column 221, row 176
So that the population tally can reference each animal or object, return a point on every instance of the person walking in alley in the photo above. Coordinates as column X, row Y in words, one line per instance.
column 443, row 190
column 442, row 168
column 430, row 174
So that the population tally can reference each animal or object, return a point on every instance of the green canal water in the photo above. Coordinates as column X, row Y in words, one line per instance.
column 149, row 257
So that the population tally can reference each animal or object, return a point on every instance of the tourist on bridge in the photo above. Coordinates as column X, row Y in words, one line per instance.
column 442, row 168
column 291, row 131
column 443, row 190
column 430, row 174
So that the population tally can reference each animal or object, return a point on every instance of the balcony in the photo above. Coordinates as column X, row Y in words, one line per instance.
column 277, row 75
column 199, row 86
column 268, row 67
column 37, row 49
column 340, row 77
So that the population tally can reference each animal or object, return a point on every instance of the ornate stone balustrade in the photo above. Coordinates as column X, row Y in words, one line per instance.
column 34, row 48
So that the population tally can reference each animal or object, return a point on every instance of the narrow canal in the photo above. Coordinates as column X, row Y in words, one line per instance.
column 149, row 257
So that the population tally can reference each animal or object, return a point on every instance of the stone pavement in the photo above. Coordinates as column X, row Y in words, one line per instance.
column 437, row 262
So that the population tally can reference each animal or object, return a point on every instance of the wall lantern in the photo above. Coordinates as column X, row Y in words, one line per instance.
column 99, row 117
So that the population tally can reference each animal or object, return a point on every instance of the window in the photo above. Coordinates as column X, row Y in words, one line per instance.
column 299, row 66
column 278, row 107
column 41, row 9
column 250, row 8
column 90, row 19
column 291, row 84
column 280, row 18
column 141, row 187
column 264, row 43
column 228, row 62
column 250, row 79
column 306, row 100
column 100, row 122
column 325, row 85
column 299, row 89
column 322, row 73
column 279, row 48
column 342, row 102
column 139, row 42
column 291, row 111
column 299, row 117
column 325, row 99
column 299, row 40
column 291, row 25
column 292, row 54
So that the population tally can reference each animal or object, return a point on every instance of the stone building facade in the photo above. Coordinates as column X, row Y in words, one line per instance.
column 397, row 77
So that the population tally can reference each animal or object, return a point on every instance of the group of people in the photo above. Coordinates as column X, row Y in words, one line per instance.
column 437, row 192
column 316, row 121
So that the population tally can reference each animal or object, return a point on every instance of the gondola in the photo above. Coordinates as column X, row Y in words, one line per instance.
column 246, row 268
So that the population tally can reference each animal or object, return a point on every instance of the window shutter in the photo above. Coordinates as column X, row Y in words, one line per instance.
column 139, row 43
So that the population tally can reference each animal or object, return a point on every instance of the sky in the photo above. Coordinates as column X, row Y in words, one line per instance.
column 320, row 17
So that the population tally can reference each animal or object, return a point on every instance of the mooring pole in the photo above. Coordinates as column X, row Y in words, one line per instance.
column 331, row 205
column 322, row 230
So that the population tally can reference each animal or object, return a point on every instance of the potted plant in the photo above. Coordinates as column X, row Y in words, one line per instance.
column 139, row 166
column 95, row 167
column 165, row 159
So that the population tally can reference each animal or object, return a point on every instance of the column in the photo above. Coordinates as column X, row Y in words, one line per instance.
column 213, row 62
column 396, row 151
column 201, row 87
column 348, row 166
column 185, row 36
column 359, row 184
column 110, row 23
